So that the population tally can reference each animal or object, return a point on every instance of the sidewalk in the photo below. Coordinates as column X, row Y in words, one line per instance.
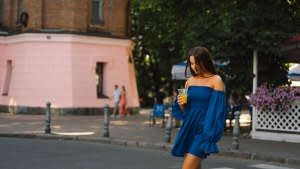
column 135, row 131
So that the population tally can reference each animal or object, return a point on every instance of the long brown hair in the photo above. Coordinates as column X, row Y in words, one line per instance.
column 203, row 59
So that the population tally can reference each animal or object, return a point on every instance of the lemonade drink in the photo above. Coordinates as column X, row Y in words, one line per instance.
column 183, row 94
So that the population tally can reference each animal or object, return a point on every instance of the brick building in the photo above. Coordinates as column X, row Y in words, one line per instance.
column 68, row 52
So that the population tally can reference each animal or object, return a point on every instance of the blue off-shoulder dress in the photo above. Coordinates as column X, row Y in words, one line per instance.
column 203, row 122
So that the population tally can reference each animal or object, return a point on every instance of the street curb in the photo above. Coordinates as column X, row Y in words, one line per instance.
column 258, row 156
column 157, row 146
column 105, row 140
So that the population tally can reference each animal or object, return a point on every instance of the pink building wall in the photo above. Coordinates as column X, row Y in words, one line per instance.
column 60, row 68
column 2, row 66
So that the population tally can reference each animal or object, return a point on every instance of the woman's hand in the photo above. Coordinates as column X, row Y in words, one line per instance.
column 181, row 100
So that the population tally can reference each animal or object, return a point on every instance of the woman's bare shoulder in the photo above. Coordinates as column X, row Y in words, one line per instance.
column 218, row 83
column 189, row 81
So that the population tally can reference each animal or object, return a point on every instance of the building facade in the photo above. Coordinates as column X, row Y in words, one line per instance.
column 68, row 52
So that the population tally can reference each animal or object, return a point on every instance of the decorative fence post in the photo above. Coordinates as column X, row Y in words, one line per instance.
column 169, row 126
column 48, row 118
column 236, row 130
column 106, row 121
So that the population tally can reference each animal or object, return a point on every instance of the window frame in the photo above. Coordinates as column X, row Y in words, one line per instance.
column 20, row 7
column 97, row 17
column 100, row 67
column 1, row 13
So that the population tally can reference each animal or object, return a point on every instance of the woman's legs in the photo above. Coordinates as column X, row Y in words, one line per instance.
column 191, row 162
column 123, row 110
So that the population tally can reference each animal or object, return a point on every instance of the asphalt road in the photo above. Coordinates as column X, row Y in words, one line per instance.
column 17, row 153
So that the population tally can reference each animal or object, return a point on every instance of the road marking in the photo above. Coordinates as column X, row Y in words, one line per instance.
column 74, row 133
column 267, row 166
column 222, row 168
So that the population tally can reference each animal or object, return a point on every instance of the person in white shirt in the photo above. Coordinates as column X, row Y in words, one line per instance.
column 116, row 97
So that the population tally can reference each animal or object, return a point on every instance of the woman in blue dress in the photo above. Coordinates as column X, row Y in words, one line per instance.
column 203, row 113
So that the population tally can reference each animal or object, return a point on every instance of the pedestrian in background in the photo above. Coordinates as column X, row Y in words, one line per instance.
column 203, row 112
column 160, row 96
column 123, row 102
column 116, row 97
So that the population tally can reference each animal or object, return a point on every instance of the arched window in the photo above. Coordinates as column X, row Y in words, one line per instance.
column 97, row 12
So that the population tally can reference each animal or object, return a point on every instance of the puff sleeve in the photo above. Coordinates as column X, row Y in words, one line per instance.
column 213, row 125
column 176, row 110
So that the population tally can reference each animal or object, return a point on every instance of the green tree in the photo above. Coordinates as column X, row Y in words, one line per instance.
column 156, row 33
column 230, row 29
column 259, row 25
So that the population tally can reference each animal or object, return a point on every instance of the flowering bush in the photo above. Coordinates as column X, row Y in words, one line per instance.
column 274, row 99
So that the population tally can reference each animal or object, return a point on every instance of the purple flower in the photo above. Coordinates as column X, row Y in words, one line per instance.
column 272, row 99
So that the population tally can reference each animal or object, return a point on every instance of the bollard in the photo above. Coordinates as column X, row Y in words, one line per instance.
column 106, row 121
column 250, row 108
column 169, row 126
column 48, row 118
column 236, row 130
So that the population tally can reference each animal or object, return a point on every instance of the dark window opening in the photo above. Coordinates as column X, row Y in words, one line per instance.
column 20, row 7
column 99, row 79
column 22, row 16
column 1, row 13
column 97, row 12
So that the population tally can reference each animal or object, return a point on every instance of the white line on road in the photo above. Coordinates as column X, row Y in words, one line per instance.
column 222, row 168
column 267, row 166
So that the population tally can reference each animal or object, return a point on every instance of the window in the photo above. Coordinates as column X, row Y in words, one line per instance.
column 97, row 12
column 7, row 78
column 20, row 7
column 1, row 12
column 99, row 79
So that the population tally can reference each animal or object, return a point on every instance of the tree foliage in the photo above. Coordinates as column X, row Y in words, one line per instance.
column 231, row 29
